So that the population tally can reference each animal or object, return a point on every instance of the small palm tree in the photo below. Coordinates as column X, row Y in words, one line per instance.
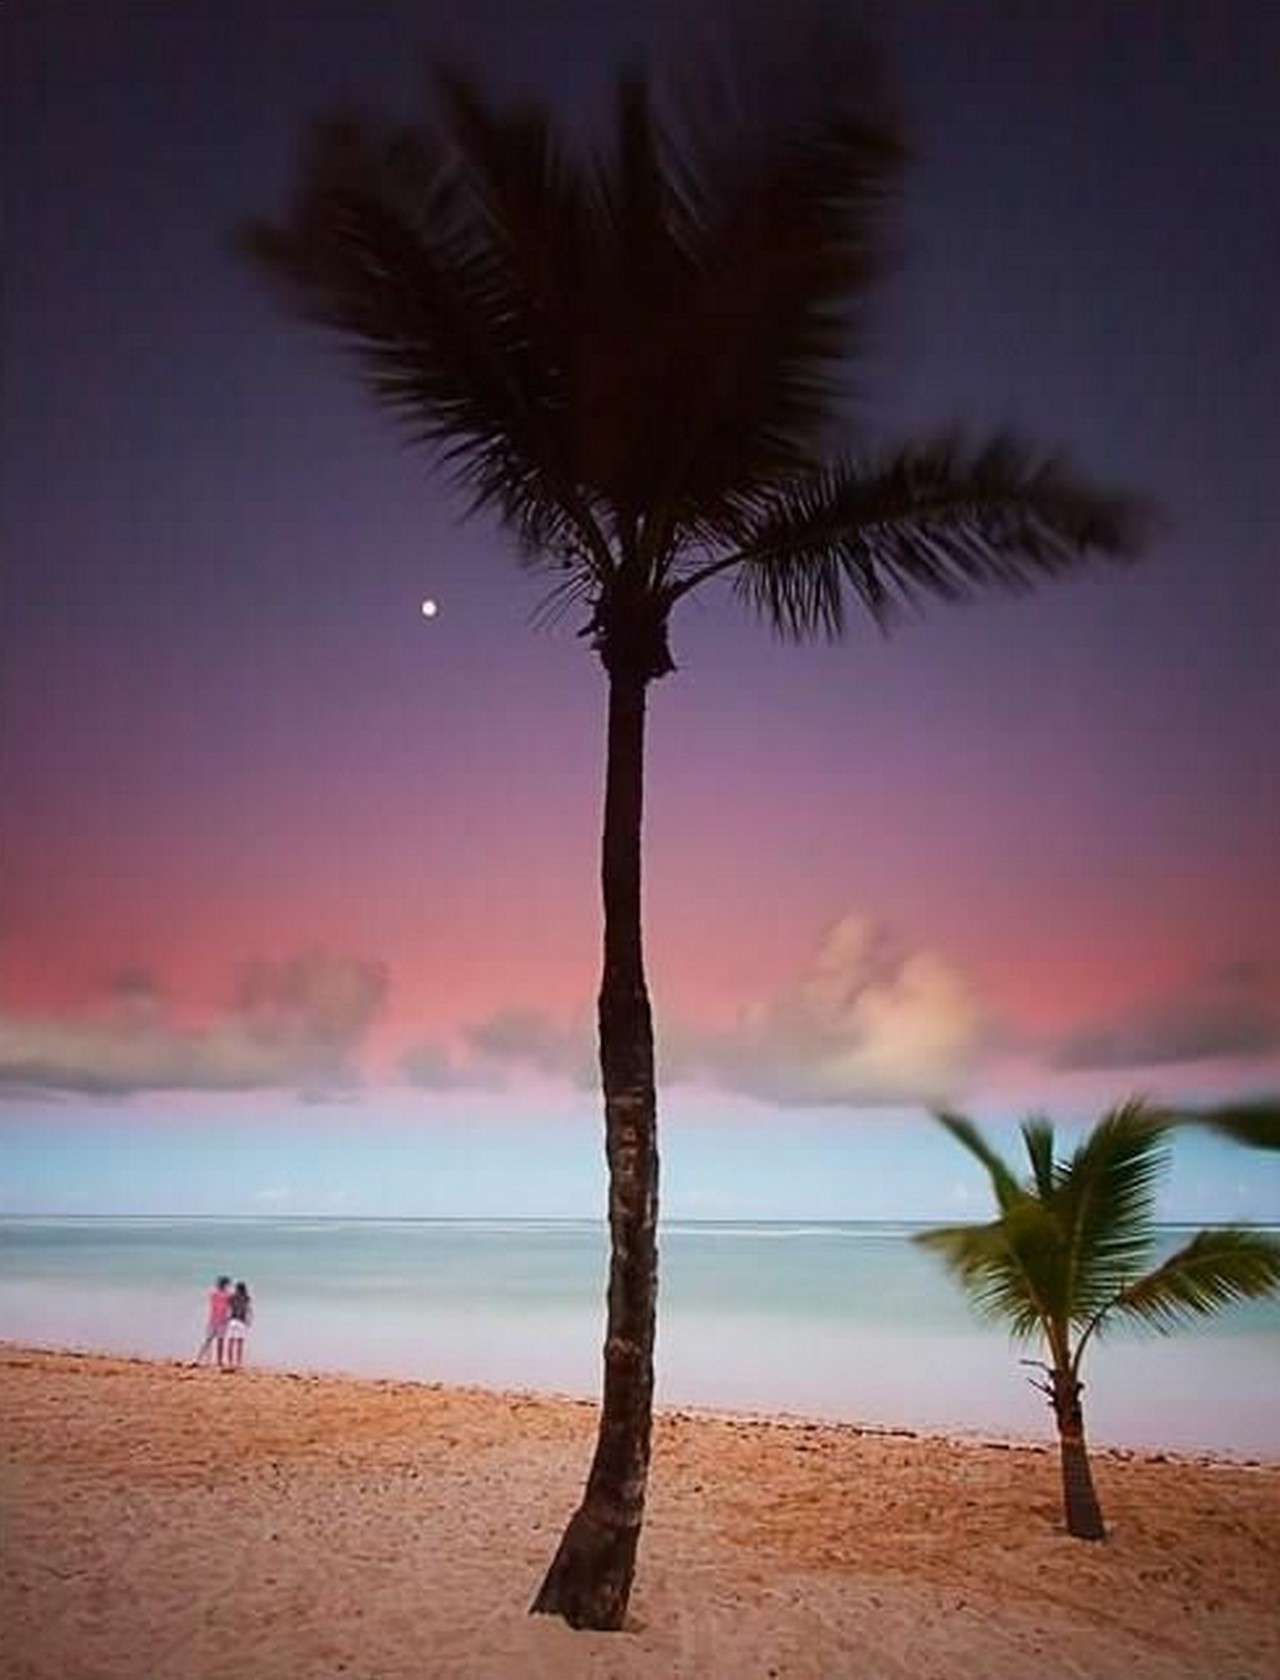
column 1255, row 1122
column 635, row 361
column 1066, row 1256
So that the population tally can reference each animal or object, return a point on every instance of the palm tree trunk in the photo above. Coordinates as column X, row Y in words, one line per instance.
column 1079, row 1499
column 589, row 1581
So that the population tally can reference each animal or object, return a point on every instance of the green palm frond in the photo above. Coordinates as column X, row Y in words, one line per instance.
column 1019, row 1270
column 1106, row 1200
column 1255, row 1124
column 1008, row 1192
column 1064, row 1257
column 1214, row 1269
column 933, row 520
column 990, row 1262
column 1037, row 1136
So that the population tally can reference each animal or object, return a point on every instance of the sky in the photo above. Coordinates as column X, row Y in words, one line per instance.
column 298, row 889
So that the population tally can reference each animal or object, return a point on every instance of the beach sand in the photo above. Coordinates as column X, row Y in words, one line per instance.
column 165, row 1523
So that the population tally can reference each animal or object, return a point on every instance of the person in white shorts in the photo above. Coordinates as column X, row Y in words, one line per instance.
column 238, row 1321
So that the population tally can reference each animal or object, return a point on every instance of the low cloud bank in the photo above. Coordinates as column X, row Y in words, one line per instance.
column 295, row 1024
column 1229, row 1011
column 868, row 1021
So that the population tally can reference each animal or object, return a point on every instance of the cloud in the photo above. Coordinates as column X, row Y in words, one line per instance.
column 431, row 1067
column 868, row 1022
column 527, row 1038
column 509, row 1042
column 293, row 1024
column 1232, row 1011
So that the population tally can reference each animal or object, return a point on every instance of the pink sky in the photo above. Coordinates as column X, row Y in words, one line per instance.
column 229, row 737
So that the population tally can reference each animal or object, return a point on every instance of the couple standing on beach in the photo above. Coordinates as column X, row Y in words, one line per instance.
column 230, row 1315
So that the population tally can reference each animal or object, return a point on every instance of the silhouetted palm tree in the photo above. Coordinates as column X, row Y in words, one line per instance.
column 1067, row 1253
column 632, row 358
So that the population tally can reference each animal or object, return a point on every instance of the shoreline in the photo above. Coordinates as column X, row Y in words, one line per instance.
column 782, row 1420
column 827, row 1325
column 163, row 1521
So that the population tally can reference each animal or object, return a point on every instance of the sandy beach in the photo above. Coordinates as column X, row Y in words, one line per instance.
column 161, row 1521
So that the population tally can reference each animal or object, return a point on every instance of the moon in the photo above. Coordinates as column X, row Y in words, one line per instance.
column 429, row 608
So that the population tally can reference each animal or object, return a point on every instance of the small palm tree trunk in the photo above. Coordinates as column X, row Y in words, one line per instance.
column 589, row 1581
column 1079, row 1499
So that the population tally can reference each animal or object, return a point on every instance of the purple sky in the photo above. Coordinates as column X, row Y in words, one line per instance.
column 268, row 830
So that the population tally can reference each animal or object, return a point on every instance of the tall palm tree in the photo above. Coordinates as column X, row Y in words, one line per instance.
column 1066, row 1255
column 632, row 357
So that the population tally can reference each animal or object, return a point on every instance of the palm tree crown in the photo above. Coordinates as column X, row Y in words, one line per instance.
column 1067, row 1254
column 637, row 358
column 1069, row 1247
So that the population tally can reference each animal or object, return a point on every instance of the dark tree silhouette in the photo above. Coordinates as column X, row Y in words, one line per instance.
column 633, row 357
column 1066, row 1255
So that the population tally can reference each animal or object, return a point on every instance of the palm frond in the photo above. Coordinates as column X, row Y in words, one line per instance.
column 1065, row 1255
column 654, row 330
column 1008, row 1269
column 1013, row 1268
column 389, row 241
column 575, row 592
column 1217, row 1267
column 635, row 355
column 989, row 1266
column 1105, row 1197
column 1037, row 1136
column 1008, row 1191
column 785, row 161
column 932, row 521
column 1255, row 1123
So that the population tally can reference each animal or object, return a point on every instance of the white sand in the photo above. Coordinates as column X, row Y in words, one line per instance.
column 162, row 1523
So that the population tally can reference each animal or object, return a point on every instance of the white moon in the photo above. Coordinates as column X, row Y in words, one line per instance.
column 429, row 608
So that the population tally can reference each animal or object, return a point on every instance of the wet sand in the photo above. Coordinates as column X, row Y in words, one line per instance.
column 159, row 1522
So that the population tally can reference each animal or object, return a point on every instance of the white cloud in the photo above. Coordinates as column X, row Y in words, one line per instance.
column 868, row 1022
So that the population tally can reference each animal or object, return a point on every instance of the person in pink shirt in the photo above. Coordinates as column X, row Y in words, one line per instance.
column 215, row 1333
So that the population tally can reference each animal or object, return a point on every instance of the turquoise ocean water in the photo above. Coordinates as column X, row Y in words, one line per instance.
column 831, row 1320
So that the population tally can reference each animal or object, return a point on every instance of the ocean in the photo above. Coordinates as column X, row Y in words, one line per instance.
column 829, row 1320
